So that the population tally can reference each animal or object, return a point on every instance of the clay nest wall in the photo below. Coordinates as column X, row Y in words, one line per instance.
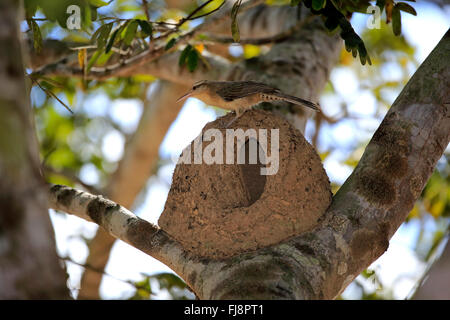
column 220, row 210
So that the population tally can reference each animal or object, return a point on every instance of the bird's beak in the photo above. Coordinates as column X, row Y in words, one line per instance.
column 185, row 96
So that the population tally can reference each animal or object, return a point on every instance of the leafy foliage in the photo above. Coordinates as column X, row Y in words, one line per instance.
column 189, row 56
column 170, row 44
column 336, row 12
column 57, row 10
column 168, row 282
column 334, row 17
column 37, row 37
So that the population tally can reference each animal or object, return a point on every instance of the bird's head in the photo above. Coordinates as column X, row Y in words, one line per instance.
column 200, row 90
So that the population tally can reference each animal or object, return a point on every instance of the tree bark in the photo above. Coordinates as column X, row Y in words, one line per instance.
column 436, row 284
column 29, row 266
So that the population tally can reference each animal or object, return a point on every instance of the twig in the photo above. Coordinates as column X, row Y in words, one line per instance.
column 191, row 16
column 86, row 266
column 145, row 5
column 188, row 18
column 51, row 94
column 153, row 22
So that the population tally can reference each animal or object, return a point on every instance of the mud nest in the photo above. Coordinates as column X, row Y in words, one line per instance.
column 220, row 210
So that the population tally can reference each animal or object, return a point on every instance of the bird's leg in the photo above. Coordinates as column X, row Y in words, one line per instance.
column 239, row 113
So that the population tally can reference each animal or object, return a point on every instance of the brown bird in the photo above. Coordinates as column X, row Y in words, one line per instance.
column 240, row 96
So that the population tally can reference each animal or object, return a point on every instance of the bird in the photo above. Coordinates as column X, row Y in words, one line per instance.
column 239, row 96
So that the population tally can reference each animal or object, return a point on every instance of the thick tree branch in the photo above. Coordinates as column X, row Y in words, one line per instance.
column 117, row 220
column 165, row 67
column 123, row 225
column 436, row 280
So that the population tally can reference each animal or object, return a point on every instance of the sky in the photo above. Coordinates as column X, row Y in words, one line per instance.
column 398, row 265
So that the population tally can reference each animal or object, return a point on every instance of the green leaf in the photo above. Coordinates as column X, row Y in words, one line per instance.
column 396, row 21
column 37, row 36
column 192, row 60
column 170, row 44
column 295, row 3
column 234, row 24
column 103, row 59
column 318, row 4
column 93, row 60
column 146, row 27
column 101, row 35
column 130, row 32
column 324, row 155
column 353, row 43
column 363, row 56
column 30, row 8
column 94, row 14
column 407, row 8
column 168, row 281
column 111, row 40
column 143, row 290
column 96, row 34
column 87, row 17
column 331, row 23
column 98, row 3
column 184, row 55
column 57, row 10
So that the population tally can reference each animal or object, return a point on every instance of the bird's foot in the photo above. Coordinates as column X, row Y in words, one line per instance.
column 239, row 113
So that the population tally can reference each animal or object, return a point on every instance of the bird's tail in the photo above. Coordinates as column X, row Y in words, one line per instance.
column 298, row 101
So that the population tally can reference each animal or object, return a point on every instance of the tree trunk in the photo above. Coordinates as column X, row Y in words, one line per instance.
column 29, row 266
column 436, row 285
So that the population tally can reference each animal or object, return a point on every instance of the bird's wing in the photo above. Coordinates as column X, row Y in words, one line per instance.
column 239, row 89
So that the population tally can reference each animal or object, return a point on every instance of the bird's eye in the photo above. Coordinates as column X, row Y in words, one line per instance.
column 194, row 87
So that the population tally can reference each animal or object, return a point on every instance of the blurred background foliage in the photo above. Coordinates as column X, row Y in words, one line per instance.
column 83, row 149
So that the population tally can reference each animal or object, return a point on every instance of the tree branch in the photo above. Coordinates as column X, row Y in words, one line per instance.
column 114, row 218
column 436, row 279
column 166, row 67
